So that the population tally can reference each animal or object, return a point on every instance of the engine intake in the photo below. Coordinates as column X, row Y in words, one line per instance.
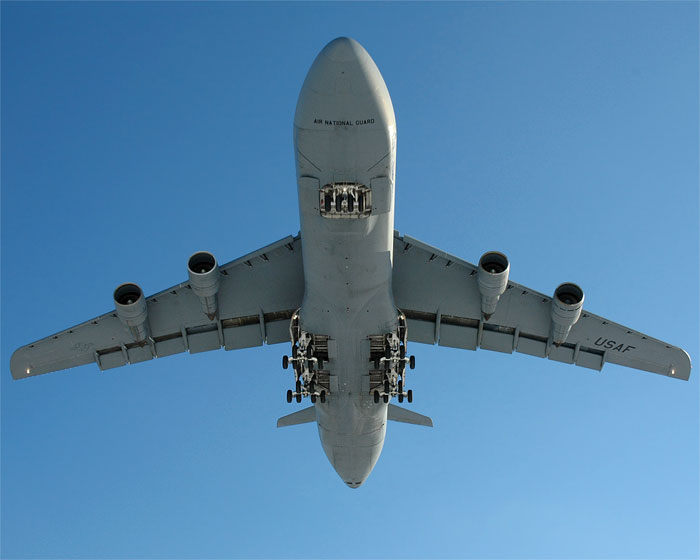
column 204, row 279
column 566, row 310
column 493, row 280
column 131, row 310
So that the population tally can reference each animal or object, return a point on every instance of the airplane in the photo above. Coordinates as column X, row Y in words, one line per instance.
column 348, row 292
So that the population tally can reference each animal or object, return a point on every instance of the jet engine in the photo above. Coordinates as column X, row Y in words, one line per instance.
column 493, row 280
column 566, row 310
column 204, row 279
column 131, row 310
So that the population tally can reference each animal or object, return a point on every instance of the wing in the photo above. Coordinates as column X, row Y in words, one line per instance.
column 257, row 296
column 440, row 297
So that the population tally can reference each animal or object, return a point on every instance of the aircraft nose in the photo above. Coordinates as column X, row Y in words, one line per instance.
column 343, row 49
column 344, row 85
column 343, row 67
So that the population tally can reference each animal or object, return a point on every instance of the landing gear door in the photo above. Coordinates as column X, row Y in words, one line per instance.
column 382, row 195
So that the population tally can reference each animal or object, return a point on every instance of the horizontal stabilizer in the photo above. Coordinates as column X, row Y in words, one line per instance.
column 398, row 414
column 299, row 417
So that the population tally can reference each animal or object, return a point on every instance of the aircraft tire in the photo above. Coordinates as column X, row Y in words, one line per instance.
column 409, row 395
column 289, row 396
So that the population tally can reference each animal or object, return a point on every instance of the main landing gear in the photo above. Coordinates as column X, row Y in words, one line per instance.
column 388, row 356
column 309, row 352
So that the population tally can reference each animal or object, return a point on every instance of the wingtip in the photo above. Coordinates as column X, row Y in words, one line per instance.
column 19, row 368
column 682, row 369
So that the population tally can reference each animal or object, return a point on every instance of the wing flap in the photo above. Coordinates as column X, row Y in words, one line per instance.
column 440, row 297
column 258, row 295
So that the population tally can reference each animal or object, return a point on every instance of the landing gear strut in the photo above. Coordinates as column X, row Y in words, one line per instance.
column 309, row 351
column 388, row 356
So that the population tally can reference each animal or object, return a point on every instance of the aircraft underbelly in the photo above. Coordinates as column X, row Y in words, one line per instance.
column 345, row 146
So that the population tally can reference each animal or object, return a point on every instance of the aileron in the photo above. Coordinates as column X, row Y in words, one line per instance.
column 442, row 306
column 267, row 292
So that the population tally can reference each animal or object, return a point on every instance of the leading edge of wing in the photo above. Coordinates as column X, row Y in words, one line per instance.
column 439, row 294
column 62, row 350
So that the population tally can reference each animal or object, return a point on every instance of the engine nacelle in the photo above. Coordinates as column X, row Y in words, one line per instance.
column 566, row 310
column 131, row 310
column 493, row 280
column 204, row 279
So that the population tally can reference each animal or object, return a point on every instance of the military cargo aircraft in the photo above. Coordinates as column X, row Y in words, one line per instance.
column 348, row 292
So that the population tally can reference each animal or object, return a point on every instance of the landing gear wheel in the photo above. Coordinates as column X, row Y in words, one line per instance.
column 400, row 389
column 294, row 351
column 289, row 396
column 387, row 352
column 409, row 396
column 400, row 397
column 386, row 386
column 298, row 386
column 402, row 352
column 298, row 397
column 376, row 397
column 285, row 362
column 323, row 396
column 386, row 398
column 412, row 362
column 313, row 398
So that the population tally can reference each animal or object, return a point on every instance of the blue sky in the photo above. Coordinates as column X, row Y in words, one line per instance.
column 563, row 134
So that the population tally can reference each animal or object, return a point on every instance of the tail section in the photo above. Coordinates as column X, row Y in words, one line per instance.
column 398, row 414
column 299, row 417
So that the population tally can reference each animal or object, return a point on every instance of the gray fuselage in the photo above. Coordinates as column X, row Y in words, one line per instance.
column 345, row 133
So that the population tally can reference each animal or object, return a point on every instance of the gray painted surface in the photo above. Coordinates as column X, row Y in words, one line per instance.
column 346, row 280
column 347, row 263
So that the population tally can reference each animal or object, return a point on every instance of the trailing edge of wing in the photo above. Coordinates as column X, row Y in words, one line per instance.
column 440, row 297
column 257, row 297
